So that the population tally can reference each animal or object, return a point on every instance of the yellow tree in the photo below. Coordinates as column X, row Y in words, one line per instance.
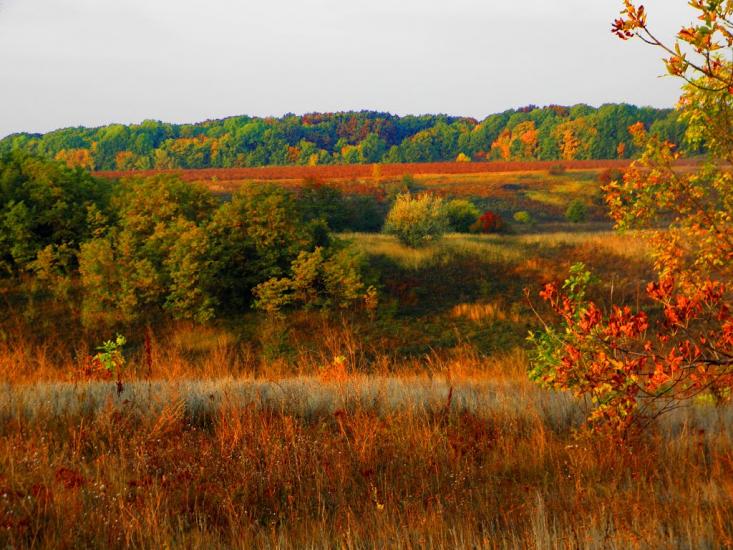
column 503, row 144
column 574, row 138
column 125, row 160
column 76, row 158
column 527, row 134
column 519, row 143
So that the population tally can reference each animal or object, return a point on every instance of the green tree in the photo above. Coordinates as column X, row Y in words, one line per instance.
column 326, row 278
column 317, row 201
column 254, row 238
column 45, row 204
column 154, row 257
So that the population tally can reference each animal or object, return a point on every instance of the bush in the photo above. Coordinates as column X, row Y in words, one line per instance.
column 523, row 217
column 417, row 221
column 577, row 211
column 557, row 170
column 462, row 214
column 330, row 278
column 406, row 184
column 610, row 174
column 364, row 213
column 155, row 256
column 489, row 222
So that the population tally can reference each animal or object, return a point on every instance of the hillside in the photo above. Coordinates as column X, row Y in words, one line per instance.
column 531, row 133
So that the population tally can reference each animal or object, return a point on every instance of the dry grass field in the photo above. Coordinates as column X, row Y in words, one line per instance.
column 351, row 461
column 322, row 431
column 369, row 171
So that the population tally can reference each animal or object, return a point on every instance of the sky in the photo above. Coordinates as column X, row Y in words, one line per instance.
column 93, row 62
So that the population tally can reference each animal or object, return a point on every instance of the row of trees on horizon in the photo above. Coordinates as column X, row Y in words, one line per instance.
column 531, row 133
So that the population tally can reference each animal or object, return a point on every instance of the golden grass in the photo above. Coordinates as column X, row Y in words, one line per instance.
column 341, row 442
column 365, row 462
column 503, row 249
column 484, row 312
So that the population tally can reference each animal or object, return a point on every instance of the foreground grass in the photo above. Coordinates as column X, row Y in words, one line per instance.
column 322, row 432
column 352, row 462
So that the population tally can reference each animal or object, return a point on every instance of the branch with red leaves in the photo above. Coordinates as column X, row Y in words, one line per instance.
column 635, row 364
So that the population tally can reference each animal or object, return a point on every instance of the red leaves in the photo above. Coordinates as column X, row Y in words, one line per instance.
column 635, row 19
column 549, row 294
column 620, row 29
column 622, row 323
column 623, row 358
column 489, row 222
column 679, row 313
column 726, row 338
column 661, row 290
column 590, row 318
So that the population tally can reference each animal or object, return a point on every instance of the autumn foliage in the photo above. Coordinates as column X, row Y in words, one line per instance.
column 636, row 364
column 489, row 222
column 633, row 367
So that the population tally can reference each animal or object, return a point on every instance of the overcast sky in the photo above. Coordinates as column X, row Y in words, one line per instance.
column 92, row 62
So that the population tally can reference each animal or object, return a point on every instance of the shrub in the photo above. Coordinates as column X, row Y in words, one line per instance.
column 408, row 181
column 523, row 217
column 323, row 279
column 393, row 189
column 609, row 175
column 417, row 221
column 557, row 170
column 636, row 364
column 462, row 214
column 155, row 256
column 364, row 213
column 577, row 211
column 489, row 222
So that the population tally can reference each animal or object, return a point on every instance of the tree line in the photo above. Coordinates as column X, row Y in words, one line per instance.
column 531, row 133
column 145, row 247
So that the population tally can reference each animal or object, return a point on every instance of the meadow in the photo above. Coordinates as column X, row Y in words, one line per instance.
column 361, row 462
column 544, row 188
column 414, row 427
column 385, row 331
column 368, row 171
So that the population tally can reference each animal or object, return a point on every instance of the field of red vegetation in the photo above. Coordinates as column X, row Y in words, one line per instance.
column 351, row 171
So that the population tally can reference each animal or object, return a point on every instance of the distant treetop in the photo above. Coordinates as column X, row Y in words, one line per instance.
column 530, row 133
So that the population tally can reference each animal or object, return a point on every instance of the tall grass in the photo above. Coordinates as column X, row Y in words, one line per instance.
column 507, row 250
column 362, row 462
column 315, row 431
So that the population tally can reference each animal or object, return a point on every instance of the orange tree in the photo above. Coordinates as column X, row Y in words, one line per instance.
column 635, row 364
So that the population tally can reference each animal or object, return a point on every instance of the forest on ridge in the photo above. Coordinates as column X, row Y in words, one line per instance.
column 530, row 133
